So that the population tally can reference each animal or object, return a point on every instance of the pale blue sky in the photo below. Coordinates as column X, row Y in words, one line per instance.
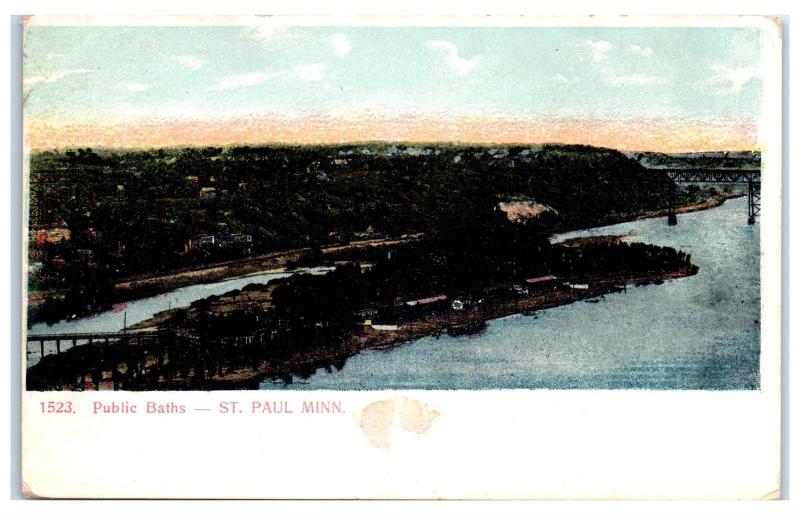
column 85, row 74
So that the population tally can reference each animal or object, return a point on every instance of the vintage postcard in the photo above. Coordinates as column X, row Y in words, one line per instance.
column 461, row 257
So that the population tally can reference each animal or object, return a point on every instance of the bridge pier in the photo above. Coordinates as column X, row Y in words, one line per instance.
column 672, row 218
column 753, row 201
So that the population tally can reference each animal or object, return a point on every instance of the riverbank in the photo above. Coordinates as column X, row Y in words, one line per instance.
column 591, row 288
column 691, row 208
column 709, row 203
column 367, row 339
column 150, row 285
column 437, row 325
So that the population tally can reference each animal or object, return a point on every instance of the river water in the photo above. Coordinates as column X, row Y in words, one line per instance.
column 699, row 332
column 129, row 313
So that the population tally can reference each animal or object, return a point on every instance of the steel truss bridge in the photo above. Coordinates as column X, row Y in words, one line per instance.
column 733, row 176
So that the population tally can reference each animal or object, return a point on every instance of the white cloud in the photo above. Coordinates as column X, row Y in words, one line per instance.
column 449, row 52
column 272, row 33
column 636, row 79
column 302, row 72
column 307, row 72
column 136, row 87
column 560, row 77
column 641, row 51
column 190, row 62
column 731, row 80
column 341, row 45
column 599, row 49
column 610, row 70
column 242, row 80
column 53, row 77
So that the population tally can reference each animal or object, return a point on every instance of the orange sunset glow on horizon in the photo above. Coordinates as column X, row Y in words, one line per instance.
column 632, row 134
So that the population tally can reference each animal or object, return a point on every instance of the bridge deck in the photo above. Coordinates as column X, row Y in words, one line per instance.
column 706, row 175
column 91, row 336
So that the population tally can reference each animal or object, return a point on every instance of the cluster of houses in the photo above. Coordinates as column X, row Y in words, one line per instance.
column 50, row 234
column 442, row 303
column 211, row 193
column 47, row 246
column 388, row 318
column 239, row 241
column 345, row 160
column 392, row 151
column 369, row 234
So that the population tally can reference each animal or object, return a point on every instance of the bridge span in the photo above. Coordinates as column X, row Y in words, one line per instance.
column 751, row 177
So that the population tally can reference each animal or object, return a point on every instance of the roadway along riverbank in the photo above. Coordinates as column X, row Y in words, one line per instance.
column 150, row 285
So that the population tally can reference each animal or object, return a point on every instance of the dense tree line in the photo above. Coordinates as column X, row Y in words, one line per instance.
column 137, row 210
column 150, row 203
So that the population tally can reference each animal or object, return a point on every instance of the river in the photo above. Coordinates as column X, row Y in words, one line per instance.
column 698, row 332
column 129, row 313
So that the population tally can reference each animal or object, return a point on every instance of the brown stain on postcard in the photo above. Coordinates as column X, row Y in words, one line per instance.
column 416, row 416
column 375, row 421
column 377, row 418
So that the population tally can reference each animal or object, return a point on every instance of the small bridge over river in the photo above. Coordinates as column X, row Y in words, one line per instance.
column 751, row 177
column 40, row 345
column 164, row 358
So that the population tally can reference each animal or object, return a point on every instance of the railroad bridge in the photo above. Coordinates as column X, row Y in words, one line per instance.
column 732, row 176
column 59, row 342
column 146, row 359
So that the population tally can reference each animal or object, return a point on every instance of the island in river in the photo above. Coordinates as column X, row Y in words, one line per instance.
column 296, row 325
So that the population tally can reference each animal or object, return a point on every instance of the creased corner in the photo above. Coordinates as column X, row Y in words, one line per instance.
column 28, row 492
column 773, row 495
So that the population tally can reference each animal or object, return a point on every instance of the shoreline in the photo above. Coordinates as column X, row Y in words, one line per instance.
column 430, row 324
column 143, row 287
column 691, row 208
column 436, row 325
column 710, row 203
